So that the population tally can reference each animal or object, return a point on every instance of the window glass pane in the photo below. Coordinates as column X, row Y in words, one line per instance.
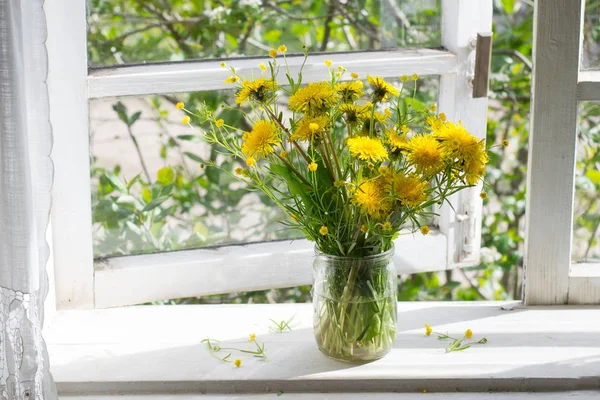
column 586, row 237
column 194, row 206
column 133, row 31
column 590, row 58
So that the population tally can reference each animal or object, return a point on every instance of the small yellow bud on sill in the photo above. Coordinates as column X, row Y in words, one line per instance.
column 272, row 53
column 263, row 67
column 442, row 116
column 282, row 48
column 428, row 330
column 238, row 363
column 404, row 78
column 354, row 75
column 223, row 65
column 415, row 77
column 328, row 63
column 252, row 337
column 185, row 120
column 180, row 105
column 468, row 334
column 424, row 230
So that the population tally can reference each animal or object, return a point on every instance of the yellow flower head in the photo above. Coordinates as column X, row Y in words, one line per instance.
column 232, row 79
column 367, row 149
column 219, row 123
column 404, row 78
column 442, row 117
column 252, row 337
column 387, row 226
column 409, row 190
column 371, row 197
column 415, row 77
column 309, row 128
column 468, row 334
column 364, row 228
column 294, row 218
column 404, row 129
column 434, row 123
column 180, row 105
column 185, row 120
column 272, row 53
column 263, row 67
column 425, row 230
column 396, row 141
column 284, row 154
column 425, row 155
column 313, row 166
column 223, row 65
column 433, row 107
column 313, row 99
column 250, row 161
column 505, row 143
column 261, row 140
column 381, row 89
column 483, row 195
column 261, row 90
column 466, row 150
column 428, row 330
column 354, row 75
column 355, row 113
column 349, row 91
column 324, row 230
column 237, row 363
column 282, row 49
column 239, row 170
column 328, row 63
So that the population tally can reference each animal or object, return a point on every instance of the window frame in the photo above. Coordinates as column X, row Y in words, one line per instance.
column 82, row 283
column 550, row 275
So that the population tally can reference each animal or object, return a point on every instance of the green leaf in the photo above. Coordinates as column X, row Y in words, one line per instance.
column 134, row 118
column 133, row 181
column 155, row 203
column 116, row 182
column 201, row 229
column 165, row 176
column 194, row 157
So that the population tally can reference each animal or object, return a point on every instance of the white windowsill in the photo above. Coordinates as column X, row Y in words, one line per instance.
column 143, row 350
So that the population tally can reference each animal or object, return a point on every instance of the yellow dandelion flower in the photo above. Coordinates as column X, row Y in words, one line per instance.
column 324, row 230
column 505, row 143
column 223, row 65
column 313, row 99
column 364, row 228
column 262, row 66
column 261, row 140
column 185, row 120
column 232, row 79
column 284, row 154
column 338, row 74
column 396, row 141
column 433, row 107
column 239, row 170
column 461, row 147
column 415, row 77
column 340, row 68
column 367, row 149
column 387, row 226
column 425, row 154
column 424, row 230
column 371, row 197
column 313, row 166
column 468, row 334
column 434, row 123
column 428, row 330
column 409, row 190
column 381, row 89
column 349, row 91
column 309, row 128
column 328, row 63
column 272, row 53
column 354, row 75
column 483, row 195
column 260, row 90
column 180, row 105
column 237, row 363
column 404, row 129
column 387, row 112
column 355, row 113
column 252, row 337
column 282, row 49
column 219, row 123
column 250, row 161
column 442, row 117
column 404, row 78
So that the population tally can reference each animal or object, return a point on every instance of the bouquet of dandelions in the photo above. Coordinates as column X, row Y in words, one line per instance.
column 351, row 164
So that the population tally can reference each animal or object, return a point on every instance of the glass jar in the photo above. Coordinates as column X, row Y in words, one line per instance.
column 354, row 305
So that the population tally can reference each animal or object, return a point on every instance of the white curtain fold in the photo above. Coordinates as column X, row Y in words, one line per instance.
column 25, row 183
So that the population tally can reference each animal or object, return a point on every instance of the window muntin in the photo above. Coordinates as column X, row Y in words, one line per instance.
column 590, row 52
column 140, row 136
column 130, row 32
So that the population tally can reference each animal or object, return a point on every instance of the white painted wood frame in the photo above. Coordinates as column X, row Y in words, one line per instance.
column 550, row 277
column 134, row 279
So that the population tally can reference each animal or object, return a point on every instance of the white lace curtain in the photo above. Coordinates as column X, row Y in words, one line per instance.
column 25, row 182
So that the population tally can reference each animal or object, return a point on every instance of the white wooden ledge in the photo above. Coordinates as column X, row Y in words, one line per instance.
column 157, row 350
